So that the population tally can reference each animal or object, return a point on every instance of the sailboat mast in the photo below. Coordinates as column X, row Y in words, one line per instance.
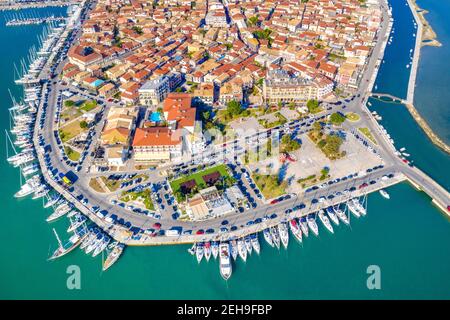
column 57, row 238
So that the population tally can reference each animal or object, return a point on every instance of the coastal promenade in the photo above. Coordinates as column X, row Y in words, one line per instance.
column 415, row 62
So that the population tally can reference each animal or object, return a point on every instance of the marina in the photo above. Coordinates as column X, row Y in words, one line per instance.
column 100, row 243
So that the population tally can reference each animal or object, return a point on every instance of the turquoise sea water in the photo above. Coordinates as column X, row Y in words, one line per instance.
column 406, row 236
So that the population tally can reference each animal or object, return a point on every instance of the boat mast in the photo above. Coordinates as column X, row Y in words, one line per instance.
column 57, row 238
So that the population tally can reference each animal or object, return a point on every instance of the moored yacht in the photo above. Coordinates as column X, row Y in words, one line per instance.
column 242, row 250
column 284, row 234
column 199, row 252
column 353, row 209
column 326, row 222
column 215, row 249
column 113, row 256
column 207, row 250
column 255, row 243
column 304, row 226
column 225, row 261
column 268, row 237
column 233, row 249
column 312, row 224
column 341, row 215
column 61, row 210
column 358, row 206
column 295, row 229
column 248, row 244
column 275, row 237
column 332, row 215
column 73, row 242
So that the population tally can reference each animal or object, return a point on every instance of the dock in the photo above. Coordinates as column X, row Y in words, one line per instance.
column 33, row 21
column 19, row 5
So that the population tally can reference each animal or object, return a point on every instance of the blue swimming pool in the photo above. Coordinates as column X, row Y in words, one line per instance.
column 155, row 117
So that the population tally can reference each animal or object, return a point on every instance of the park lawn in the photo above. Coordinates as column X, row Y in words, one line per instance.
column 70, row 113
column 72, row 154
column 365, row 131
column 269, row 185
column 353, row 117
column 88, row 105
column 197, row 176
column 142, row 196
column 70, row 130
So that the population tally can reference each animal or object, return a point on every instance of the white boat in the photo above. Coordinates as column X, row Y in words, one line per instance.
column 312, row 224
column 332, row 215
column 234, row 249
column 113, row 256
column 358, row 206
column 255, row 243
column 341, row 215
column 248, row 244
column 95, row 243
column 207, row 251
column 199, row 252
column 191, row 250
column 275, row 237
column 242, row 250
column 73, row 242
column 353, row 209
column 102, row 246
column 385, row 194
column 59, row 212
column 51, row 202
column 77, row 222
column 326, row 222
column 295, row 229
column 304, row 226
column 215, row 249
column 225, row 261
column 284, row 234
column 268, row 237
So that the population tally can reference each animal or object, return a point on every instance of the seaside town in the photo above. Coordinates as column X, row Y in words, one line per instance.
column 206, row 123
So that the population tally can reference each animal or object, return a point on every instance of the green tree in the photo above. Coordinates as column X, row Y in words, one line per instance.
column 234, row 108
column 69, row 103
column 83, row 124
column 312, row 105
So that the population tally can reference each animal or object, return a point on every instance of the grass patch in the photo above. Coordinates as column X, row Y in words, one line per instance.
column 353, row 117
column 368, row 134
column 279, row 122
column 141, row 196
column 71, row 130
column 88, row 105
column 270, row 185
column 72, row 154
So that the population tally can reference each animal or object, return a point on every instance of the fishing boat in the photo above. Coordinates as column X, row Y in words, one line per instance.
column 341, row 215
column 255, row 243
column 332, row 215
column 296, row 230
column 113, row 255
column 207, row 251
column 284, row 234
column 275, row 237
column 73, row 242
column 199, row 252
column 61, row 210
column 268, row 237
column 326, row 222
column 304, row 226
column 242, row 250
column 248, row 244
column 215, row 249
column 225, row 261
column 385, row 194
column 234, row 249
column 312, row 224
